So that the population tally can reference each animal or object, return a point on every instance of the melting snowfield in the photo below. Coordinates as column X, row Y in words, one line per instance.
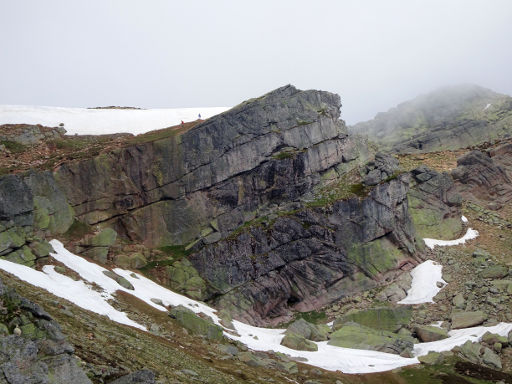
column 328, row 357
column 470, row 235
column 83, row 121
column 424, row 283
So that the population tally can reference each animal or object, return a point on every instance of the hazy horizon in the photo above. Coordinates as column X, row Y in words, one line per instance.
column 167, row 54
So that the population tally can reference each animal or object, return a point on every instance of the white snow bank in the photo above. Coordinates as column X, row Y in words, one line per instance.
column 62, row 286
column 144, row 289
column 425, row 277
column 261, row 339
column 85, row 121
column 464, row 219
column 470, row 235
column 327, row 357
column 459, row 337
column 487, row 106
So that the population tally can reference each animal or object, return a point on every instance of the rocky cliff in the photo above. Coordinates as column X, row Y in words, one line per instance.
column 448, row 118
column 238, row 193
column 262, row 210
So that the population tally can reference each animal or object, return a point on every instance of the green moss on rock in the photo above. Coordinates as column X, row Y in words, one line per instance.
column 352, row 335
column 298, row 342
column 382, row 318
column 195, row 324
column 105, row 238
column 375, row 257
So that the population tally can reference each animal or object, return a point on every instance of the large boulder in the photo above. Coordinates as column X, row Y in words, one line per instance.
column 195, row 324
column 298, row 342
column 384, row 318
column 308, row 330
column 428, row 333
column 494, row 272
column 478, row 354
column 353, row 335
column 461, row 319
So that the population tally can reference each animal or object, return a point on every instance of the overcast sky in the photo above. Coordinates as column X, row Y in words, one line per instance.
column 190, row 53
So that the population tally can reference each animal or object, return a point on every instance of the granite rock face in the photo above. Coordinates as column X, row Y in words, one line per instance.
column 311, row 257
column 482, row 176
column 195, row 185
column 381, row 168
column 434, row 204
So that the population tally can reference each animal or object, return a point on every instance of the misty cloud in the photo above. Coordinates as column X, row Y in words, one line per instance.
column 162, row 53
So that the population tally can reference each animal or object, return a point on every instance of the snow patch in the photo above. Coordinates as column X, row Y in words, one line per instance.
column 459, row 337
column 425, row 277
column 470, row 235
column 487, row 106
column 464, row 219
column 83, row 121
column 62, row 286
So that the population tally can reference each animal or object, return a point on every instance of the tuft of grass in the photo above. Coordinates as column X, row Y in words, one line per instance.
column 358, row 189
column 13, row 146
column 283, row 155
column 177, row 252
column 315, row 317
column 303, row 122
column 172, row 253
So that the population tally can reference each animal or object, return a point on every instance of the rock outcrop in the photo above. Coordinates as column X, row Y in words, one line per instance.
column 434, row 204
column 480, row 178
column 233, row 193
column 308, row 258
column 32, row 346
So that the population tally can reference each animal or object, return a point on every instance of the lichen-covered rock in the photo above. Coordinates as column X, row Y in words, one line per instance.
column 353, row 335
column 197, row 325
column 434, row 204
column 308, row 330
column 491, row 339
column 461, row 319
column 384, row 318
column 427, row 334
column 494, row 272
column 431, row 358
column 298, row 342
column 119, row 279
column 105, row 238
column 133, row 260
column 491, row 359
column 183, row 277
